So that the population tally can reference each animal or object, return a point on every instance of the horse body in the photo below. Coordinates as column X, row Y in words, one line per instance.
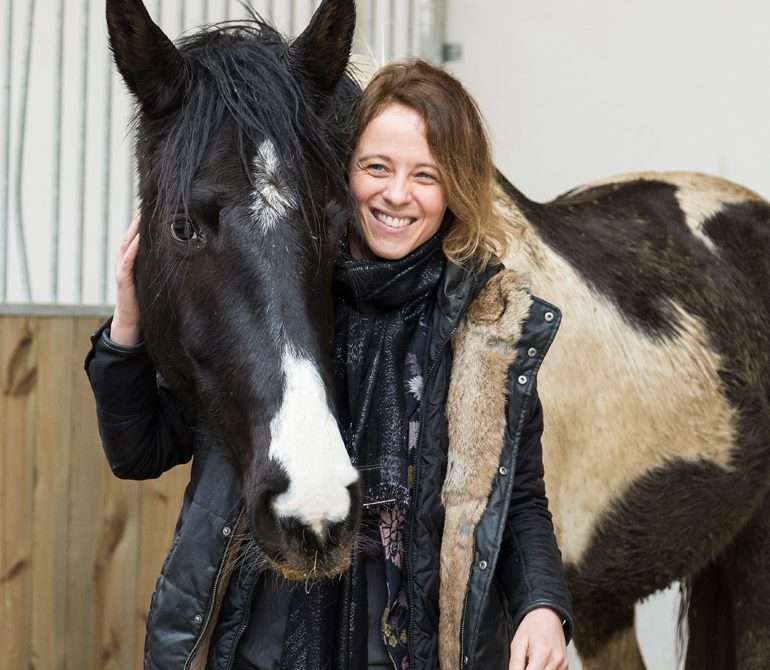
column 656, row 450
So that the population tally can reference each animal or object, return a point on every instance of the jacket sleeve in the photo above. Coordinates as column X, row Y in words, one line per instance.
column 530, row 566
column 144, row 428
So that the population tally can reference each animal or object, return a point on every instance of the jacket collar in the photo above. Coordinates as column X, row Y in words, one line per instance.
column 458, row 288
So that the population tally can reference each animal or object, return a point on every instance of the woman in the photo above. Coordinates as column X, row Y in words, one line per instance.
column 424, row 245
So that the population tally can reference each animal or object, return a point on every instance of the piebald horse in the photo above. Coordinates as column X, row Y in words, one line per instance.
column 657, row 402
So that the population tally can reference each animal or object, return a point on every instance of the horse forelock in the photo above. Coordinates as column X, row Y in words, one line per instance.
column 241, row 72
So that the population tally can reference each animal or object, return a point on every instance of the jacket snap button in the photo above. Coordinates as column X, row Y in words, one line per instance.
column 465, row 660
column 549, row 316
column 522, row 379
column 532, row 352
column 226, row 531
column 198, row 619
column 483, row 565
column 503, row 470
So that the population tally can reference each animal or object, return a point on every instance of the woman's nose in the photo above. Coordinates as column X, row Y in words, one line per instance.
column 397, row 191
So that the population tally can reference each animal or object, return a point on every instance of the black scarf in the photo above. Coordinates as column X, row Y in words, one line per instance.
column 379, row 306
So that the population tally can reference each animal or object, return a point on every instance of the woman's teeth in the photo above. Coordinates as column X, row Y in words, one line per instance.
column 391, row 221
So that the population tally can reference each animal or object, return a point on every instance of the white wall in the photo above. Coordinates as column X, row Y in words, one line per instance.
column 574, row 91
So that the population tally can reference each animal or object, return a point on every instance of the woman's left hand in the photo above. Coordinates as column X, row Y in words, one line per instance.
column 539, row 642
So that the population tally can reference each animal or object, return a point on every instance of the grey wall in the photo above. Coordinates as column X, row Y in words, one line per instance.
column 64, row 149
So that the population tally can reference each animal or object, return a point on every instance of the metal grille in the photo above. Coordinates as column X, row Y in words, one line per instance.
column 67, row 182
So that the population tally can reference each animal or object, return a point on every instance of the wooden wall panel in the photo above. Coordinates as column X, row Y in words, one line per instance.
column 79, row 549
column 86, row 505
column 18, row 360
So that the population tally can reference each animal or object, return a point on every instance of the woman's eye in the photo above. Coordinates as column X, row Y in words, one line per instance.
column 376, row 168
column 426, row 176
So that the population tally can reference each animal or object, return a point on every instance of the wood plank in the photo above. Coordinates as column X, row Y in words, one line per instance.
column 115, row 575
column 17, row 432
column 50, row 519
column 85, row 501
column 79, row 549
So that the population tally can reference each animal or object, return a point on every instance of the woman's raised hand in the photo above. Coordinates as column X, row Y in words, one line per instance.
column 125, row 320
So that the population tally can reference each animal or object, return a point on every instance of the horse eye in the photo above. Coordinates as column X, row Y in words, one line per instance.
column 185, row 231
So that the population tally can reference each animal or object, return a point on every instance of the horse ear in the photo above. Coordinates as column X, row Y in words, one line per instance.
column 322, row 51
column 148, row 61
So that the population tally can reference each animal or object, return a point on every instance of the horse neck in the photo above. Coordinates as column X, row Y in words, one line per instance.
column 549, row 275
column 526, row 251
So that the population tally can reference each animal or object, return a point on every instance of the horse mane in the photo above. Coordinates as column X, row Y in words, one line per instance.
column 234, row 68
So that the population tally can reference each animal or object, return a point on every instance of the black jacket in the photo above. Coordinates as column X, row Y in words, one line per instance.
column 517, row 564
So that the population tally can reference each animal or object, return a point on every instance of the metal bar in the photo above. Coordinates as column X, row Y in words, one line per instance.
column 292, row 17
column 271, row 11
column 105, row 230
column 373, row 28
column 410, row 30
column 206, row 11
column 432, row 30
column 81, row 211
column 57, row 129
column 5, row 203
column 391, row 31
column 20, row 237
column 38, row 309
column 182, row 16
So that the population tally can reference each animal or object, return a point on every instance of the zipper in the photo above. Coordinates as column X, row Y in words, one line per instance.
column 213, row 598
column 462, row 629
column 244, row 623
column 417, row 472
column 241, row 630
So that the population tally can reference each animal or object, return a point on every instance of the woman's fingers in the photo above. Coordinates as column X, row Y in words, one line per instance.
column 124, row 264
column 130, row 256
column 518, row 655
column 131, row 232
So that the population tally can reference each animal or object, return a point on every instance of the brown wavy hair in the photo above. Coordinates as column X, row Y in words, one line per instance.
column 459, row 143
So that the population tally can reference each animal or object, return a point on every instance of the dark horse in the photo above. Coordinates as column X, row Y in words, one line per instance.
column 657, row 446
column 240, row 149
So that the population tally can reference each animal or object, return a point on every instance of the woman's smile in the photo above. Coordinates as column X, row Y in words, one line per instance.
column 391, row 222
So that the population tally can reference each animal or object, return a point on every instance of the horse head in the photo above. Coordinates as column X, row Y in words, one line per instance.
column 240, row 149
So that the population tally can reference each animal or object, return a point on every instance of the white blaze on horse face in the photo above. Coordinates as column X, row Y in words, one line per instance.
column 272, row 198
column 306, row 442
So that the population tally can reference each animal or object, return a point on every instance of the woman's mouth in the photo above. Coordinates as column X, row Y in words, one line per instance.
column 392, row 221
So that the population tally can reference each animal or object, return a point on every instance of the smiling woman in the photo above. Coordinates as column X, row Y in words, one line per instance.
column 421, row 147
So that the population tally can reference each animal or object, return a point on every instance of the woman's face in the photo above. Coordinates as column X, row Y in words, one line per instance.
column 395, row 181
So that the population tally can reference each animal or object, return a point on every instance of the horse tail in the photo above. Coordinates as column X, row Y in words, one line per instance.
column 705, row 626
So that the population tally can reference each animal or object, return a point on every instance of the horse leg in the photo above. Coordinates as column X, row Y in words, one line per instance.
column 747, row 570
